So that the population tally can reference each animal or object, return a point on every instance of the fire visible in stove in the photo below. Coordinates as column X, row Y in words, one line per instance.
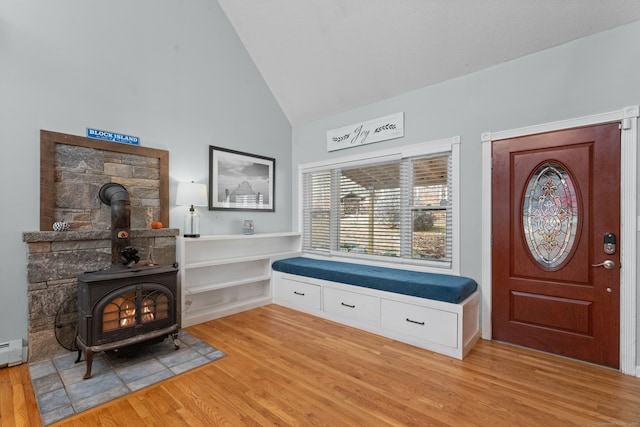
column 121, row 311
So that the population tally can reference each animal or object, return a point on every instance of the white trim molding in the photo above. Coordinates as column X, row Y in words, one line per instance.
column 629, row 222
column 628, row 231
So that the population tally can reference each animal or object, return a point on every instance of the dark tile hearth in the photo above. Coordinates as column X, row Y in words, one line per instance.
column 61, row 391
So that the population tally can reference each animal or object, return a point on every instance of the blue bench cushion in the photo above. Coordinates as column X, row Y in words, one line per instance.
column 441, row 287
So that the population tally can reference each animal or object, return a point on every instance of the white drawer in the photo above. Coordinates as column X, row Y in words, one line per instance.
column 420, row 322
column 300, row 294
column 352, row 305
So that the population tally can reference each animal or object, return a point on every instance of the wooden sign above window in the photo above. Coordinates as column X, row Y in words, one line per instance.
column 376, row 130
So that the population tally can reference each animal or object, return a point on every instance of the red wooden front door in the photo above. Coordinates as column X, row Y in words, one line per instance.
column 556, row 199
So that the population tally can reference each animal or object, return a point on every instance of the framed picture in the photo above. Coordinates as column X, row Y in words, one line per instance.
column 241, row 181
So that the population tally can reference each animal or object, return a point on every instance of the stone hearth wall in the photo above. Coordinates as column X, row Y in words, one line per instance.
column 55, row 259
column 81, row 171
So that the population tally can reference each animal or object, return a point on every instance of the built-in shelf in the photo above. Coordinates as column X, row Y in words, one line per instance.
column 205, row 288
column 235, row 260
column 226, row 274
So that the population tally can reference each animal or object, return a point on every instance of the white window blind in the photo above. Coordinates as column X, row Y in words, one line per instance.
column 431, row 215
column 316, row 211
column 398, row 209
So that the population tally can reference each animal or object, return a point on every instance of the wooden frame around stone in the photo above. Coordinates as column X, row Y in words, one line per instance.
column 48, row 141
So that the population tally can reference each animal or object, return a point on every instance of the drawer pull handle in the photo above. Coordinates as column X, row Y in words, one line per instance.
column 415, row 321
column 298, row 293
column 348, row 305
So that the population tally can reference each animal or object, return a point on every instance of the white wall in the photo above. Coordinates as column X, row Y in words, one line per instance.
column 593, row 75
column 171, row 72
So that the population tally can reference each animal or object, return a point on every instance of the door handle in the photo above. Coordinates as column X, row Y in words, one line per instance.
column 608, row 264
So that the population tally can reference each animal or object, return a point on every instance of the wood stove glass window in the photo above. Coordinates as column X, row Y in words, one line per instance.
column 155, row 306
column 122, row 311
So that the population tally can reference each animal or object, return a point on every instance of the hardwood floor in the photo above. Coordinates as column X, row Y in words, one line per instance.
column 288, row 368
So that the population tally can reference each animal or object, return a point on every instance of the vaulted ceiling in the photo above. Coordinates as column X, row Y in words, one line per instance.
column 323, row 57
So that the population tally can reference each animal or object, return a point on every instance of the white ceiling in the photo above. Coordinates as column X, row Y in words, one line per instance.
column 322, row 57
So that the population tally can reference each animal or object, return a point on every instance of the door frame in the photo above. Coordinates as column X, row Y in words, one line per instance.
column 629, row 223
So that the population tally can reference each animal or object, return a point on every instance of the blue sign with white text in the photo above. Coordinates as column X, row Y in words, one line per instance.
column 112, row 136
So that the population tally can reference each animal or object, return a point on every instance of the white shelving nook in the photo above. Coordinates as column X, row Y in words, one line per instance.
column 227, row 274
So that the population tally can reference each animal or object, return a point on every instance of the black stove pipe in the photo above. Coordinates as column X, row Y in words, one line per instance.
column 116, row 196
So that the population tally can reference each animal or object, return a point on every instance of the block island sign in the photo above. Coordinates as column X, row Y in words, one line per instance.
column 376, row 130
column 112, row 136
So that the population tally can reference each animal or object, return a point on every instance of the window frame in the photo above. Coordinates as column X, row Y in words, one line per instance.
column 448, row 145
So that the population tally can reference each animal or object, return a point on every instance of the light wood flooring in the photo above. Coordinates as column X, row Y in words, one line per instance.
column 290, row 369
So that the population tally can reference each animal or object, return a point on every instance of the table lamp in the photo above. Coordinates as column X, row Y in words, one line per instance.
column 191, row 194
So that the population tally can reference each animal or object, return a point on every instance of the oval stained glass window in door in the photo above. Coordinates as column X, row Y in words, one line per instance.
column 550, row 215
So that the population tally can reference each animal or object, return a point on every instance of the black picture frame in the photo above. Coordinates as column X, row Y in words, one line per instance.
column 241, row 181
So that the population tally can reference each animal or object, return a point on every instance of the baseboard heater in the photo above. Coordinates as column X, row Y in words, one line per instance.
column 10, row 353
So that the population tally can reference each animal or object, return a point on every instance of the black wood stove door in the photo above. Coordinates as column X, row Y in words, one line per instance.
column 132, row 310
column 121, row 303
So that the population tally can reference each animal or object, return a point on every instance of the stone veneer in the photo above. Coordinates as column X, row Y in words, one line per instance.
column 81, row 171
column 55, row 259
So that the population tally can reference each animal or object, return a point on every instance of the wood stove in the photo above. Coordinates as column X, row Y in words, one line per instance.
column 124, row 305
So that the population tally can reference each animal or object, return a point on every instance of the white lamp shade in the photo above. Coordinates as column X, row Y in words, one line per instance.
column 191, row 193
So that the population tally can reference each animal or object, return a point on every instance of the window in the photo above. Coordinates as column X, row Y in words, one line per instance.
column 396, row 207
column 550, row 215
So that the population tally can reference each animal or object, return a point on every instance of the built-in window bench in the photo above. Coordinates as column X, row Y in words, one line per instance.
column 438, row 312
